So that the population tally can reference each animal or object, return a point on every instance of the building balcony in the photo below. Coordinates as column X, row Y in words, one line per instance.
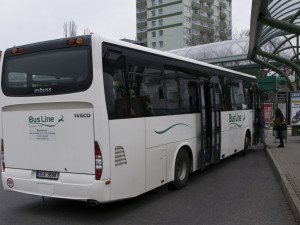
column 206, row 40
column 142, row 24
column 223, row 35
column 196, row 6
column 210, row 11
column 196, row 38
column 223, row 15
column 141, row 4
column 223, row 25
column 142, row 34
column 203, row 29
column 142, row 14
column 203, row 18
column 223, row 5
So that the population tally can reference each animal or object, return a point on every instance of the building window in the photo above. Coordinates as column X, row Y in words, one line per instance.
column 160, row 11
column 187, row 19
column 187, row 8
column 153, row 23
column 186, row 41
column 161, row 44
column 160, row 1
column 153, row 34
column 153, row 12
column 161, row 22
column 153, row 2
column 153, row 44
column 161, row 33
column 187, row 30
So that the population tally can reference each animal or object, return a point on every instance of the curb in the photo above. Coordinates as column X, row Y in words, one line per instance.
column 285, row 185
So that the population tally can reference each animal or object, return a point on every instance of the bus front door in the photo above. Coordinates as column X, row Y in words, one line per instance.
column 211, row 124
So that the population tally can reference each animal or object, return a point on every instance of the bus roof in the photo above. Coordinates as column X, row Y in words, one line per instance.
column 171, row 55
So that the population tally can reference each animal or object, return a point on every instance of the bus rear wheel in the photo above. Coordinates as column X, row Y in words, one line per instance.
column 182, row 169
column 246, row 145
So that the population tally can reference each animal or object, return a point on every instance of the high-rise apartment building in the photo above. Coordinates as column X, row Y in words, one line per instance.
column 171, row 24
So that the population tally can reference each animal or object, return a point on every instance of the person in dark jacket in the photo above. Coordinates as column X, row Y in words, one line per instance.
column 260, row 125
column 279, row 120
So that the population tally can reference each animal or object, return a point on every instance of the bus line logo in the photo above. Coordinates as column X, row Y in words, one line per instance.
column 47, row 121
column 236, row 119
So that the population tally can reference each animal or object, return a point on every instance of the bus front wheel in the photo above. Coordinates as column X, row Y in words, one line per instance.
column 182, row 169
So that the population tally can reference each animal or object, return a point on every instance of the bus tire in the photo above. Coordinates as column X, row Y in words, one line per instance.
column 181, row 170
column 246, row 145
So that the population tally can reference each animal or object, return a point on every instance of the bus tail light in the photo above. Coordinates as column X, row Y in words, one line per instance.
column 17, row 50
column 98, row 162
column 2, row 156
column 78, row 41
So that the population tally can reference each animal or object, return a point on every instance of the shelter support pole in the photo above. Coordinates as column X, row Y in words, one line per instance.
column 297, row 60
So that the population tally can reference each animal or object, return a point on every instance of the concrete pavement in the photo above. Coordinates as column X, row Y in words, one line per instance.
column 286, row 165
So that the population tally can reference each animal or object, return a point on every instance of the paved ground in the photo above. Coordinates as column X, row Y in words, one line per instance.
column 286, row 164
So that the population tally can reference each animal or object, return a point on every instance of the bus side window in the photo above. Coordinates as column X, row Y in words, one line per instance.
column 114, row 85
column 236, row 94
column 248, row 93
column 181, row 90
column 144, row 84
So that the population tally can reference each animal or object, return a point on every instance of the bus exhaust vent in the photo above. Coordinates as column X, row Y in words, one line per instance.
column 120, row 157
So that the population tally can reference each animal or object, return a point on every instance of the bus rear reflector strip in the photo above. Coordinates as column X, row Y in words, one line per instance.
column 2, row 156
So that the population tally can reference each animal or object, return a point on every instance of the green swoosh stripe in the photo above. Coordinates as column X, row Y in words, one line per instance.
column 46, row 125
column 236, row 124
column 164, row 131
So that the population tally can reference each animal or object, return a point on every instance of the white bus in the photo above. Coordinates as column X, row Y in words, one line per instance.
column 98, row 120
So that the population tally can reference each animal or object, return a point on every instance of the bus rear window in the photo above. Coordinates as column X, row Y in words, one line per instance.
column 59, row 71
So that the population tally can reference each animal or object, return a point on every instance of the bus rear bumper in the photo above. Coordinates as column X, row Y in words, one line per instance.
column 82, row 187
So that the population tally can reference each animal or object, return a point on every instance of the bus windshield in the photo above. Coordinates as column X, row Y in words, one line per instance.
column 49, row 72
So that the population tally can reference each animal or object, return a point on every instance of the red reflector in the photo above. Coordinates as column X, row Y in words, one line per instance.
column 21, row 50
column 98, row 174
column 71, row 42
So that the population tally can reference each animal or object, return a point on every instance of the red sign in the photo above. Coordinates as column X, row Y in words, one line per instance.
column 268, row 109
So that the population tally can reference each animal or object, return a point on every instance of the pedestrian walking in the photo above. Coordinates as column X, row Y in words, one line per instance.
column 260, row 125
column 279, row 126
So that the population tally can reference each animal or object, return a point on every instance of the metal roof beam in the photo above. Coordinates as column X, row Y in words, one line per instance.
column 282, row 60
column 282, row 25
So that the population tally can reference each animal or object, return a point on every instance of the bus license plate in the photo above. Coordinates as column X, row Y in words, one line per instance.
column 47, row 175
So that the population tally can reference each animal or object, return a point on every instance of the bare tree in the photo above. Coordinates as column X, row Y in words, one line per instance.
column 86, row 31
column 237, row 34
column 65, row 29
column 71, row 30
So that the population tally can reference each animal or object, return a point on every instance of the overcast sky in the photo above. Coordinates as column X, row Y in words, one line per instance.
column 28, row 21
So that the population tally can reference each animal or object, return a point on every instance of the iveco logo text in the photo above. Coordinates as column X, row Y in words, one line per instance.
column 82, row 115
column 42, row 91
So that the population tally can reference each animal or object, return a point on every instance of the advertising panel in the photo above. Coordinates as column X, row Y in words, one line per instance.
column 295, row 108
column 268, row 112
